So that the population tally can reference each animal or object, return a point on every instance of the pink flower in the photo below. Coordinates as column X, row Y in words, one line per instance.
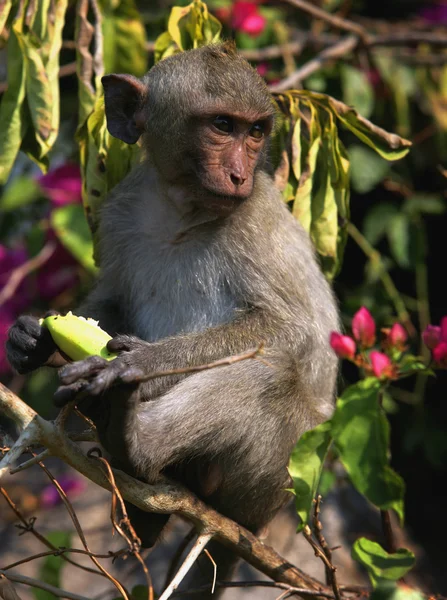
column 440, row 355
column 435, row 14
column 262, row 68
column 444, row 329
column 397, row 337
column 6, row 320
column 431, row 336
column 343, row 345
column 59, row 273
column 63, row 185
column 72, row 486
column 364, row 328
column 381, row 364
column 247, row 18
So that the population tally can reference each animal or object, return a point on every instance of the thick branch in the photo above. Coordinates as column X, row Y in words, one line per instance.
column 163, row 498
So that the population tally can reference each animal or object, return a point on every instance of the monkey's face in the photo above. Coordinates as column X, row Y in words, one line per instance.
column 228, row 148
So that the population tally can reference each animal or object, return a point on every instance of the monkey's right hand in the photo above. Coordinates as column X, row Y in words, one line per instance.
column 31, row 346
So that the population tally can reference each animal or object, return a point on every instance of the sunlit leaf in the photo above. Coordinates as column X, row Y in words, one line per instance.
column 379, row 563
column 71, row 228
column 125, row 43
column 361, row 434
column 305, row 467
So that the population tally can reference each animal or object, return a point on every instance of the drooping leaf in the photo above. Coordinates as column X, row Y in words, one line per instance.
column 71, row 228
column 124, row 38
column 51, row 570
column 380, row 564
column 189, row 27
column 361, row 434
column 305, row 467
column 367, row 168
column 357, row 90
column 12, row 114
column 425, row 204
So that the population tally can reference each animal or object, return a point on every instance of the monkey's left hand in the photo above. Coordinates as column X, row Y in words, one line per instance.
column 94, row 375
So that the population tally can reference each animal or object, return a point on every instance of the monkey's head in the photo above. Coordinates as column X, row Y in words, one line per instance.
column 204, row 116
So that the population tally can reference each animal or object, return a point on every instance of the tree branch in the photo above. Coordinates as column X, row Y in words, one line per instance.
column 163, row 498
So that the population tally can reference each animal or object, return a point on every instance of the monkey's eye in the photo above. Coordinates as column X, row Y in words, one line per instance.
column 257, row 130
column 224, row 124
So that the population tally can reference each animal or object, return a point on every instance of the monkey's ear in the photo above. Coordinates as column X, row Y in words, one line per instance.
column 124, row 96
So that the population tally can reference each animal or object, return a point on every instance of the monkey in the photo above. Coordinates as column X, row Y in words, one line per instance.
column 200, row 259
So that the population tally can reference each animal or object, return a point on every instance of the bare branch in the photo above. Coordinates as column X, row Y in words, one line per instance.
column 193, row 555
column 42, row 586
column 164, row 497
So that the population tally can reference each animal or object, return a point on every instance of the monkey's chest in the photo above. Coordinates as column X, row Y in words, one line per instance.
column 180, row 291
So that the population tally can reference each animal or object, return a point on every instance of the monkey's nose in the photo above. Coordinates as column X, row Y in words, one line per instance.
column 237, row 179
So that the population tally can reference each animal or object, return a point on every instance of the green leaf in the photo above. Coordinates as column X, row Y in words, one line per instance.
column 376, row 222
column 21, row 191
column 424, row 204
column 305, row 466
column 367, row 168
column 398, row 232
column 361, row 434
column 413, row 364
column 124, row 38
column 12, row 114
column 357, row 90
column 71, row 228
column 51, row 569
column 388, row 590
column 379, row 564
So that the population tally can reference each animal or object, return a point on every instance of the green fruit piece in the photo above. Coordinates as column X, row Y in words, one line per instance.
column 78, row 337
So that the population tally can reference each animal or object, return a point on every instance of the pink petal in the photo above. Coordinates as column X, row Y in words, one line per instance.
column 380, row 363
column 364, row 328
column 343, row 345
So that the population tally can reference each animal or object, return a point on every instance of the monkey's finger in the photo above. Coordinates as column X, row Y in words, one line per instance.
column 82, row 369
column 67, row 393
column 103, row 380
column 131, row 375
column 121, row 343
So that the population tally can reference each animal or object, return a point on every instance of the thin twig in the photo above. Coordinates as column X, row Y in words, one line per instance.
column 51, row 589
column 342, row 48
column 132, row 539
column 212, row 365
column 193, row 555
column 19, row 274
column 80, row 532
column 213, row 562
column 270, row 584
column 60, row 552
column 331, row 571
column 333, row 20
column 28, row 525
column 32, row 461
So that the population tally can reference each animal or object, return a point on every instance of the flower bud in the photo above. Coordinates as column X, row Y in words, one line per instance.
column 364, row 328
column 397, row 337
column 431, row 336
column 381, row 364
column 342, row 345
column 444, row 329
column 440, row 355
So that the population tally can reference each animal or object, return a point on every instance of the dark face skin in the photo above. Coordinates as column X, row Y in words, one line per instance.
column 227, row 153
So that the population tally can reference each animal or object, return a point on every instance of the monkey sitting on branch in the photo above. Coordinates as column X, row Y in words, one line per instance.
column 200, row 259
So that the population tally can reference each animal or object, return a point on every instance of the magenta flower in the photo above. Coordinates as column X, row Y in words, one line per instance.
column 381, row 364
column 435, row 14
column 397, row 336
column 63, row 185
column 6, row 320
column 59, row 274
column 343, row 345
column 262, row 68
column 431, row 336
column 444, row 329
column 72, row 486
column 440, row 355
column 364, row 328
column 247, row 18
